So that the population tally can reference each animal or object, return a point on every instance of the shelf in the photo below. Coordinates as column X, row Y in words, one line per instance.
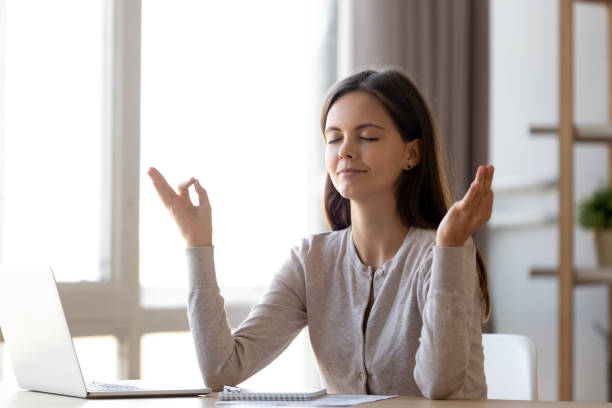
column 522, row 220
column 512, row 186
column 584, row 276
column 589, row 134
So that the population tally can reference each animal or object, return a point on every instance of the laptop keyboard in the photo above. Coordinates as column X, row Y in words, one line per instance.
column 101, row 387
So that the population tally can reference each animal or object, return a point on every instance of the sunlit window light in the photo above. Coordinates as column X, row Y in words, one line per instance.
column 228, row 97
column 98, row 357
column 53, row 137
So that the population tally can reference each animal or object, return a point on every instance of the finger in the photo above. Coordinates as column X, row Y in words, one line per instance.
column 489, row 177
column 157, row 177
column 481, row 174
column 202, row 194
column 486, row 207
column 472, row 197
column 183, row 188
column 165, row 192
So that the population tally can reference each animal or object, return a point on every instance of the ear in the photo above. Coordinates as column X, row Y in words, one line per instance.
column 412, row 154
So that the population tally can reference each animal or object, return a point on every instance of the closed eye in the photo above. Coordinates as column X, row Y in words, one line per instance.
column 369, row 139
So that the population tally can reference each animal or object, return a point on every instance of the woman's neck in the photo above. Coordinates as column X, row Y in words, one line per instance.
column 378, row 231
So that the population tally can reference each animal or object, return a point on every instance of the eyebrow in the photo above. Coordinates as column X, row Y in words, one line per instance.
column 364, row 125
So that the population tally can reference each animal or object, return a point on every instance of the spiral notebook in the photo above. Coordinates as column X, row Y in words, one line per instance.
column 242, row 394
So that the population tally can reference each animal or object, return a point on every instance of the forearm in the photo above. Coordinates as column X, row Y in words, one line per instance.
column 226, row 358
column 443, row 357
column 214, row 343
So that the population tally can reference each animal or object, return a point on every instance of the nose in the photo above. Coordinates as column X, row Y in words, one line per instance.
column 346, row 150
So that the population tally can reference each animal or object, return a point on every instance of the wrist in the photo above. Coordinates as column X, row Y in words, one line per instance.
column 449, row 242
column 198, row 243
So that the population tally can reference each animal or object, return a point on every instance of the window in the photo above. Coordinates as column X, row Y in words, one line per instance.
column 240, row 113
column 231, row 97
column 54, row 160
column 98, row 357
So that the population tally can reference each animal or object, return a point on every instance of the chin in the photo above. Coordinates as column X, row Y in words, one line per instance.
column 349, row 193
column 360, row 194
column 355, row 191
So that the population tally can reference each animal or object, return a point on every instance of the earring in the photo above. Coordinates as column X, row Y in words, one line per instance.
column 409, row 167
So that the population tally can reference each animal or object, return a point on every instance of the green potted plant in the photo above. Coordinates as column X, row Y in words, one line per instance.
column 595, row 213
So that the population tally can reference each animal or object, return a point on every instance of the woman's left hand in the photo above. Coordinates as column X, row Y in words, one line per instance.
column 467, row 215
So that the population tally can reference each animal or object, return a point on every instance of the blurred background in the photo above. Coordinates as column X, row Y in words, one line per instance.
column 93, row 93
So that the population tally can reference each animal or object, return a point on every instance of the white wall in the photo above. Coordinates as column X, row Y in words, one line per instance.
column 524, row 90
column 2, row 143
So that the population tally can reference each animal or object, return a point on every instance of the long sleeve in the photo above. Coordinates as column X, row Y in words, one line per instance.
column 449, row 358
column 227, row 358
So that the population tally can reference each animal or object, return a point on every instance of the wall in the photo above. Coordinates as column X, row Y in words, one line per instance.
column 524, row 90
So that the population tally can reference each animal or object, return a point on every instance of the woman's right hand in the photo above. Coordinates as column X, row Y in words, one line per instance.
column 194, row 222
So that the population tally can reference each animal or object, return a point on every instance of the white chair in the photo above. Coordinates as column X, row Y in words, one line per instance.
column 510, row 366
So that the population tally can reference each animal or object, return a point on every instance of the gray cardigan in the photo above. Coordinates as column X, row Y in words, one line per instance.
column 423, row 334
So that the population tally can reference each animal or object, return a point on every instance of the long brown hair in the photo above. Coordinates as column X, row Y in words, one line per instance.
column 423, row 193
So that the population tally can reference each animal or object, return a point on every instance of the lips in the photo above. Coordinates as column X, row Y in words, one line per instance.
column 350, row 172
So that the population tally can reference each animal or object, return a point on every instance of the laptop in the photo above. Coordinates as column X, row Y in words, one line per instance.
column 40, row 345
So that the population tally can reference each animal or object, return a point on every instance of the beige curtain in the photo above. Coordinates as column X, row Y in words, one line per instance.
column 443, row 45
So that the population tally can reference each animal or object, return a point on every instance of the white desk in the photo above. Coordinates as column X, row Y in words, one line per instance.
column 11, row 397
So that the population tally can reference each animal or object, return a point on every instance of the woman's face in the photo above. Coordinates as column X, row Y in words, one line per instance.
column 364, row 152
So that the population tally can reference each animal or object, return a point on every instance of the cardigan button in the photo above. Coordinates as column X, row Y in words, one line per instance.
column 362, row 376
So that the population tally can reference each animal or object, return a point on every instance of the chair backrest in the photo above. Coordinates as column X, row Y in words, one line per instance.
column 510, row 367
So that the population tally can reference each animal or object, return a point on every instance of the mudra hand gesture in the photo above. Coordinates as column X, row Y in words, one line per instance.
column 467, row 215
column 194, row 221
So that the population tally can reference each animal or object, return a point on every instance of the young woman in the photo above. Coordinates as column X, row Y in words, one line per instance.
column 395, row 294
